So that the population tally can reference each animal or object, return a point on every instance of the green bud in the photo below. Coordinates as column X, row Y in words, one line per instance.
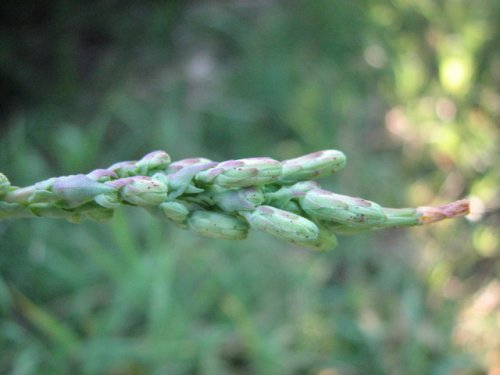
column 328, row 206
column 175, row 211
column 76, row 190
column 183, row 163
column 4, row 185
column 238, row 200
column 315, row 165
column 102, row 175
column 217, row 225
column 41, row 192
column 293, row 207
column 141, row 190
column 124, row 168
column 161, row 176
column 156, row 160
column 281, row 197
column 282, row 224
column 325, row 241
column 181, row 182
column 242, row 173
column 108, row 200
column 404, row 217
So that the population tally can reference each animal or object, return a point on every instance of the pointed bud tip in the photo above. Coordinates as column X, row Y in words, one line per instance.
column 154, row 160
column 178, row 165
column 447, row 211
column 4, row 184
column 102, row 175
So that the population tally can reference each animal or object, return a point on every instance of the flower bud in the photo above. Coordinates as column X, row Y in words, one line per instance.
column 286, row 194
column 108, row 200
column 77, row 190
column 432, row 214
column 217, row 225
column 156, row 160
column 141, row 190
column 315, row 165
column 293, row 207
column 238, row 200
column 328, row 206
column 325, row 241
column 4, row 185
column 242, row 173
column 175, row 211
column 181, row 182
column 123, row 168
column 178, row 165
column 282, row 224
column 102, row 175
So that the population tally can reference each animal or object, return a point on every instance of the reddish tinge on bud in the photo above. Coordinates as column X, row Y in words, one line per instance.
column 446, row 211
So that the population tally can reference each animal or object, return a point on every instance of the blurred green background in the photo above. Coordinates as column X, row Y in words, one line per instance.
column 409, row 90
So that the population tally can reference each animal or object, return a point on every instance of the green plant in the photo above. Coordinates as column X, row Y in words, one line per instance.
column 221, row 200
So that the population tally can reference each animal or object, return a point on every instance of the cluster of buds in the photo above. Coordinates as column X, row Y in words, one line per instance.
column 221, row 200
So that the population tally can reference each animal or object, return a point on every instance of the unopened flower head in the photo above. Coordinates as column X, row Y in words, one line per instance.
column 311, row 166
column 175, row 211
column 102, row 175
column 123, row 168
column 281, row 197
column 217, row 225
column 447, row 211
column 4, row 185
column 282, row 224
column 238, row 200
column 183, row 163
column 109, row 200
column 293, row 207
column 181, row 182
column 242, row 173
column 78, row 189
column 325, row 241
column 140, row 190
column 328, row 206
column 156, row 160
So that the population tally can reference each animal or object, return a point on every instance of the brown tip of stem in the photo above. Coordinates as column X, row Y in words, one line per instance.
column 446, row 211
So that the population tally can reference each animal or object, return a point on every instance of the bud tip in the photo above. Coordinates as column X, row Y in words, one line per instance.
column 446, row 211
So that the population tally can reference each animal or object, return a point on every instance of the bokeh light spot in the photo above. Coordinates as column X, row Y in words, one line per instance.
column 455, row 74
